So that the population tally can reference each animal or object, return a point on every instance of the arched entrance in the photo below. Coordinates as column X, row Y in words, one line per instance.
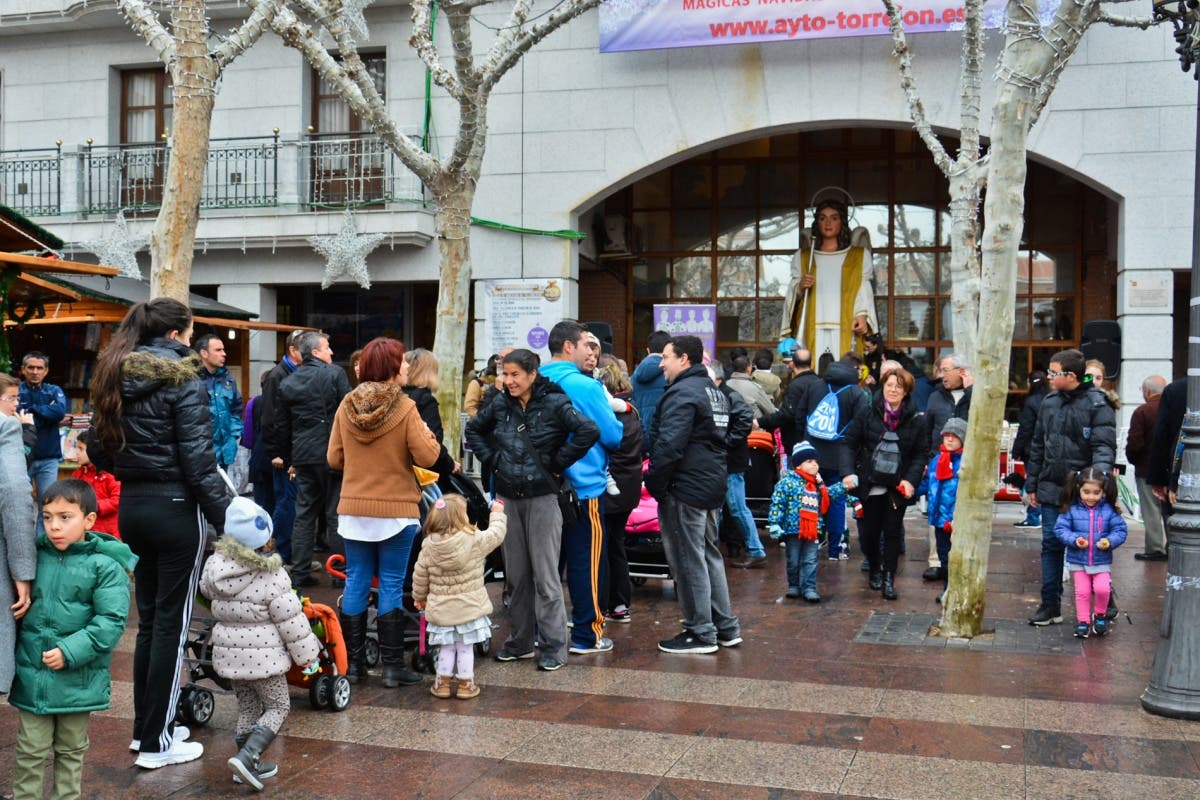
column 721, row 227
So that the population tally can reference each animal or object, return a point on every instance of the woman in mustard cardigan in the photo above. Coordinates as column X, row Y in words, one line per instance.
column 377, row 436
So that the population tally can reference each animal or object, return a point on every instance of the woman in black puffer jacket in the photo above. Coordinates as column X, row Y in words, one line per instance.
column 885, row 499
column 531, row 409
column 153, row 431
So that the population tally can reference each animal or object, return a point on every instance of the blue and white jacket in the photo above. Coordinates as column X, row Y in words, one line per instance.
column 942, row 494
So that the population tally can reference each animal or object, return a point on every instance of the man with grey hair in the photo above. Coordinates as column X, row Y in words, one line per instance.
column 308, row 399
column 1137, row 453
column 949, row 399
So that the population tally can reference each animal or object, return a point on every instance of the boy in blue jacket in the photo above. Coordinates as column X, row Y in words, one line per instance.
column 80, row 603
column 941, row 486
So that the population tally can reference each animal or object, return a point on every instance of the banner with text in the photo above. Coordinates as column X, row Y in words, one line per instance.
column 655, row 24
column 520, row 313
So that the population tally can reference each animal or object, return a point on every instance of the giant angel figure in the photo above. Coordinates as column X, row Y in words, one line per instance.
column 830, row 302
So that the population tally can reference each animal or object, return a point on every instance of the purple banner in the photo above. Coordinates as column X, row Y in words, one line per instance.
column 695, row 319
column 655, row 24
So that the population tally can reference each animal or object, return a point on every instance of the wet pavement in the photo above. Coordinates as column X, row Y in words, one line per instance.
column 848, row 698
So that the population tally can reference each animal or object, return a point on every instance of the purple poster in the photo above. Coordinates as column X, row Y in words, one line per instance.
column 695, row 319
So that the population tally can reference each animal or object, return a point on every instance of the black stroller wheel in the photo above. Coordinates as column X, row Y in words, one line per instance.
column 196, row 706
column 482, row 649
column 319, row 691
column 423, row 663
column 339, row 694
column 371, row 648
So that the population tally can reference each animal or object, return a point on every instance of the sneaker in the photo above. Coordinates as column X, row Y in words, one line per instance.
column 549, row 664
column 687, row 643
column 602, row 645
column 1081, row 630
column 844, row 555
column 833, row 558
column 507, row 654
column 792, row 592
column 181, row 734
column 1100, row 627
column 812, row 597
column 1024, row 524
column 180, row 753
column 1046, row 616
column 724, row 640
column 618, row 616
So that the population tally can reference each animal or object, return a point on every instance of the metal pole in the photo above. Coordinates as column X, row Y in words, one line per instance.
column 1174, row 689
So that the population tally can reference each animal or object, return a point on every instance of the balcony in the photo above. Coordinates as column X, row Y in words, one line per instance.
column 316, row 173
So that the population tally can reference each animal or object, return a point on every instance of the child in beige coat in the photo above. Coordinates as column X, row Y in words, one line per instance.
column 448, row 585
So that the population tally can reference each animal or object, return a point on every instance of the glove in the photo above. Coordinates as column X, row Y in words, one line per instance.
column 313, row 668
column 775, row 531
column 948, row 527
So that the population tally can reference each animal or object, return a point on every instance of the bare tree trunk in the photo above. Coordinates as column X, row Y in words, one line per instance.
column 453, row 197
column 964, row 604
column 964, row 258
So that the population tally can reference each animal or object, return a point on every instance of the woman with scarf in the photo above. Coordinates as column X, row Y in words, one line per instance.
column 889, row 443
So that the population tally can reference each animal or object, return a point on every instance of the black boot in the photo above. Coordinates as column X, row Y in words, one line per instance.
column 889, row 586
column 266, row 769
column 354, row 630
column 875, row 580
column 391, row 650
column 246, row 764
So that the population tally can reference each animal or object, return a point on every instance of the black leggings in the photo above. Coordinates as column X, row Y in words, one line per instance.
column 619, row 591
column 883, row 518
column 166, row 532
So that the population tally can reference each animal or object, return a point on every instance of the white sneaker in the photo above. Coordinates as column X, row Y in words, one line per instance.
column 180, row 753
column 181, row 734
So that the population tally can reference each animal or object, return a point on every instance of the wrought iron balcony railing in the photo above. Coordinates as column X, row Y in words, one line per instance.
column 31, row 180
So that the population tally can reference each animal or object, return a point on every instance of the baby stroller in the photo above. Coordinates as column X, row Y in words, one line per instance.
column 763, row 474
column 197, row 703
column 329, row 688
column 643, row 541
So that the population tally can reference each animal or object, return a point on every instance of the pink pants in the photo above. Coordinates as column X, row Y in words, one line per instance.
column 464, row 654
column 1087, row 586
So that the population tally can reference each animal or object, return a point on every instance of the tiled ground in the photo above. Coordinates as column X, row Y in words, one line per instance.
column 807, row 707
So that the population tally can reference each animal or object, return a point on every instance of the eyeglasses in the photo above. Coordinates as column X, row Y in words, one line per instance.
column 1051, row 373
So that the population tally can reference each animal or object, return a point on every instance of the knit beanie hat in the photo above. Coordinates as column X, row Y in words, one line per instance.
column 801, row 452
column 956, row 426
column 247, row 522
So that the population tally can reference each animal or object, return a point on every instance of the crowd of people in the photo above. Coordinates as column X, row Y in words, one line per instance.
column 567, row 450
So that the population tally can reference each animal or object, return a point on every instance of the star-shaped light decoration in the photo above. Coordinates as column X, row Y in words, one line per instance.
column 346, row 252
column 352, row 16
column 119, row 249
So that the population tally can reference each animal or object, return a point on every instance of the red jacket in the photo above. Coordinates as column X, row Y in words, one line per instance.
column 108, row 492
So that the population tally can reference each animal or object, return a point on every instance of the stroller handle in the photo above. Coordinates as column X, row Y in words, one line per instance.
column 335, row 565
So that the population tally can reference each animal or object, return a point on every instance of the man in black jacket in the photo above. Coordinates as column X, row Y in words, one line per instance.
column 687, row 476
column 785, row 418
column 1020, row 447
column 283, row 517
column 308, row 399
column 1076, row 428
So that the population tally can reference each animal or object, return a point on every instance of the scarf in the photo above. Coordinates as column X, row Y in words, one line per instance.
column 944, row 471
column 891, row 416
column 813, row 499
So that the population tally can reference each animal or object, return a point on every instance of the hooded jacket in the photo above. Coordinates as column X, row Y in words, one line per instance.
column 649, row 383
column 1092, row 524
column 1075, row 429
column 225, row 407
column 834, row 457
column 448, row 576
column 167, row 425
column 307, row 401
column 687, row 458
column 587, row 475
column 108, row 497
column 80, row 603
column 261, row 629
column 943, row 494
column 377, row 436
column 559, row 433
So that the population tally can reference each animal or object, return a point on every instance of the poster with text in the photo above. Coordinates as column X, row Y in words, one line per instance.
column 655, row 24
column 520, row 313
column 696, row 319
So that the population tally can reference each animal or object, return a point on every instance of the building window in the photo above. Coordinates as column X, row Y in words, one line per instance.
column 146, row 105
column 348, row 162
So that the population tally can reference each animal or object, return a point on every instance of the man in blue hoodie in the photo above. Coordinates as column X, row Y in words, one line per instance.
column 583, row 542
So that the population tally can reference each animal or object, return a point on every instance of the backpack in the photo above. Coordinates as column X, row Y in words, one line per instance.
column 822, row 422
column 885, row 460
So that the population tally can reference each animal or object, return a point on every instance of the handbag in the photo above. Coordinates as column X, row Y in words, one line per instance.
column 568, row 501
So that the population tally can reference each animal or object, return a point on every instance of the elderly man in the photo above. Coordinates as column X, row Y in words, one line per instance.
column 1137, row 452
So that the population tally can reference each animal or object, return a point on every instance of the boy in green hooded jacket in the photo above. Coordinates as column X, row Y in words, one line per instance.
column 80, row 603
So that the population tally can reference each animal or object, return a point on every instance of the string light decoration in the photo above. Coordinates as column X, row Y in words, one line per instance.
column 119, row 248
column 346, row 252
column 352, row 18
